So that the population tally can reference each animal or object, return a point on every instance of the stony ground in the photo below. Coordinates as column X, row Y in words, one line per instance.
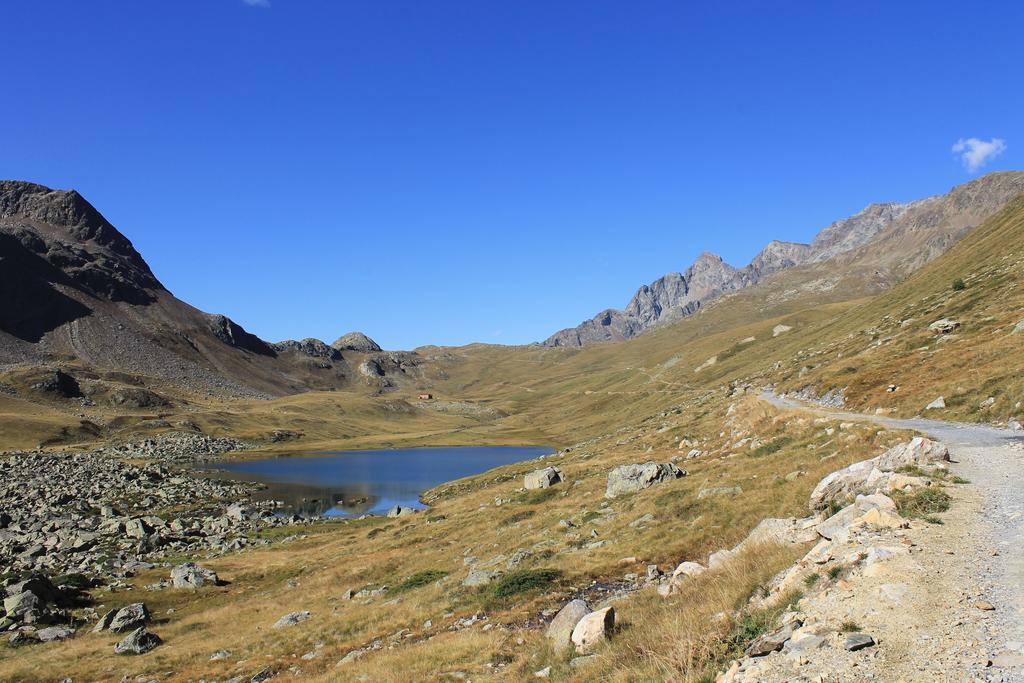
column 93, row 518
column 946, row 603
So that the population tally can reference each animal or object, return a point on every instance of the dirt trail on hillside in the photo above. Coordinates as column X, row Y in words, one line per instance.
column 935, row 630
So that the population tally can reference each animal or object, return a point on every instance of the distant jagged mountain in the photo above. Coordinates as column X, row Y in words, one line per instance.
column 897, row 238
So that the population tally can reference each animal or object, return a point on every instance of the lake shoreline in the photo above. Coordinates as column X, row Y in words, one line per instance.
column 360, row 482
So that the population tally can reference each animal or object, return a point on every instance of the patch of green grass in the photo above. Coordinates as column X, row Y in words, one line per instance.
column 812, row 580
column 419, row 579
column 937, row 473
column 524, row 580
column 517, row 517
column 959, row 285
column 538, row 496
column 753, row 624
column 771, row 447
column 668, row 497
column 835, row 572
column 76, row 581
column 922, row 503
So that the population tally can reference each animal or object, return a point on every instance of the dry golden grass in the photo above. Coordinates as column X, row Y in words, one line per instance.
column 338, row 556
column 686, row 637
column 872, row 347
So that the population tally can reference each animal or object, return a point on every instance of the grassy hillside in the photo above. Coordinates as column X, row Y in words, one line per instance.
column 887, row 341
column 771, row 458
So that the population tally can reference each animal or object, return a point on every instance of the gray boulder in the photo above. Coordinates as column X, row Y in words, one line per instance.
column 480, row 577
column 129, row 618
column 292, row 618
column 138, row 642
column 944, row 326
column 560, row 629
column 771, row 642
column 137, row 528
column 192, row 575
column 22, row 604
column 22, row 638
column 858, row 641
column 52, row 633
column 542, row 478
column 626, row 479
column 400, row 511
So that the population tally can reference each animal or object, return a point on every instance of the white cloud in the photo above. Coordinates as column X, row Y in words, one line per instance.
column 258, row 3
column 975, row 153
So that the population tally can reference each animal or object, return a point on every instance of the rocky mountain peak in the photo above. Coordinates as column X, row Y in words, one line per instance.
column 936, row 222
column 65, row 209
column 356, row 341
column 707, row 259
column 56, row 248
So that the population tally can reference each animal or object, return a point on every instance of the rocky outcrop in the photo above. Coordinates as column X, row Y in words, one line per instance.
column 139, row 641
column 401, row 511
column 314, row 348
column 627, row 479
column 592, row 629
column 878, row 474
column 293, row 618
column 192, row 575
column 543, row 478
column 559, row 631
column 233, row 334
column 862, row 543
column 356, row 341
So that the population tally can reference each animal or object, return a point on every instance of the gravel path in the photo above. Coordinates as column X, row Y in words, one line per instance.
column 975, row 557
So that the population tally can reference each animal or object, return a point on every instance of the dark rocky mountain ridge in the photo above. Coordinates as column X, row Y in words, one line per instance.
column 76, row 291
column 891, row 238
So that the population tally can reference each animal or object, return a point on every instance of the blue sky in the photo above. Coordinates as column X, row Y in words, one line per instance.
column 448, row 172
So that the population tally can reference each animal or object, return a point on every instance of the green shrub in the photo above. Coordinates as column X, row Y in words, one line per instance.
column 771, row 447
column 517, row 517
column 538, row 496
column 959, row 285
column 76, row 581
column 922, row 503
column 849, row 626
column 420, row 579
column 754, row 624
column 524, row 580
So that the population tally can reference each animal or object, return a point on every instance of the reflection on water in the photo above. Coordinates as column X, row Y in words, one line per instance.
column 367, row 482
